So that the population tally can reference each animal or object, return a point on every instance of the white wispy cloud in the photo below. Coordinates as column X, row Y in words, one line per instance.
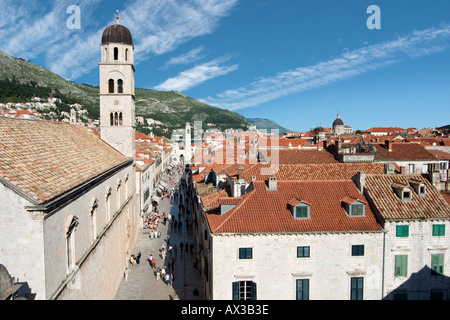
column 192, row 56
column 345, row 66
column 158, row 26
column 197, row 75
column 161, row 26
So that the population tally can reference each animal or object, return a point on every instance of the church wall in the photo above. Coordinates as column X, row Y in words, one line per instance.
column 21, row 238
column 101, row 252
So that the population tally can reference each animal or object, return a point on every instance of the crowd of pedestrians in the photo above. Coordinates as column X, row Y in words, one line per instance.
column 172, row 244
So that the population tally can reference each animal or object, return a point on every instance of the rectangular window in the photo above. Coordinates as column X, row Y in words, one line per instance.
column 411, row 168
column 438, row 230
column 302, row 289
column 146, row 195
column 245, row 253
column 301, row 212
column 356, row 288
column 437, row 264
column 303, row 252
column 357, row 209
column 244, row 290
column 358, row 250
column 401, row 265
column 402, row 231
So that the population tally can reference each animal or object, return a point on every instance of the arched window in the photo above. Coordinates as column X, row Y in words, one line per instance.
column 120, row 119
column 111, row 86
column 105, row 58
column 111, row 119
column 120, row 86
column 116, row 53
column 116, row 119
column 126, row 55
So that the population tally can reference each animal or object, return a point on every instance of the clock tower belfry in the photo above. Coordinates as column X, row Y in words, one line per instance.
column 117, row 108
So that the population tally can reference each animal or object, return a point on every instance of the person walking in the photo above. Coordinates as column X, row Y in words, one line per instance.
column 158, row 273
column 167, row 279
column 196, row 294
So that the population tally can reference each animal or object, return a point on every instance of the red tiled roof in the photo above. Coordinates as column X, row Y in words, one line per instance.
column 45, row 159
column 440, row 155
column 385, row 129
column 263, row 211
column 333, row 171
column 379, row 189
column 295, row 156
column 446, row 196
column 402, row 151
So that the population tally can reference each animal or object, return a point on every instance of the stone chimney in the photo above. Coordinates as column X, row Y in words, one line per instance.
column 241, row 172
column 360, row 180
column 403, row 170
column 272, row 184
column 388, row 144
column 389, row 168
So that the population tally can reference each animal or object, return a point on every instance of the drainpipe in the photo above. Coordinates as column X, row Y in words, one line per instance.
column 382, row 268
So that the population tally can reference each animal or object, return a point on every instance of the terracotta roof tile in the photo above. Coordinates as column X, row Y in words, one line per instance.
column 263, row 211
column 402, row 151
column 296, row 156
column 45, row 160
column 380, row 190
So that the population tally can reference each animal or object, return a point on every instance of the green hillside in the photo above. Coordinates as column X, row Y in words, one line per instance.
column 266, row 124
column 20, row 79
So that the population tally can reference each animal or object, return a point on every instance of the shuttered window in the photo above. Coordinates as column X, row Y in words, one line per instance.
column 439, row 230
column 437, row 264
column 245, row 253
column 402, row 231
column 401, row 265
column 303, row 252
column 356, row 288
column 244, row 290
column 358, row 250
column 302, row 289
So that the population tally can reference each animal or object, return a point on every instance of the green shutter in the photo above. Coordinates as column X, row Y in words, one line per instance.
column 356, row 291
column 439, row 230
column 245, row 253
column 401, row 265
column 236, row 290
column 253, row 291
column 302, row 289
column 402, row 231
column 437, row 264
column 302, row 252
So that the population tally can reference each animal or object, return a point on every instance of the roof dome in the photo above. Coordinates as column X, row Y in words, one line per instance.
column 117, row 34
column 338, row 121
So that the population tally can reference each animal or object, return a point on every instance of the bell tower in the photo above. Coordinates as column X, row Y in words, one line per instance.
column 117, row 109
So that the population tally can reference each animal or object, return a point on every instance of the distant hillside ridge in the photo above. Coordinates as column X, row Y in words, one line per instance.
column 266, row 124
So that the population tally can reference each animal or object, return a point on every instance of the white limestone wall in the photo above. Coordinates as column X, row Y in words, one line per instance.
column 99, row 275
column 34, row 250
column 419, row 246
column 21, row 241
column 275, row 266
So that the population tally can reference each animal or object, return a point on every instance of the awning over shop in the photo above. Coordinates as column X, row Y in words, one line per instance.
column 155, row 198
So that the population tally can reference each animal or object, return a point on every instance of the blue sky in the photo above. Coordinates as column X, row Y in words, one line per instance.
column 297, row 62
